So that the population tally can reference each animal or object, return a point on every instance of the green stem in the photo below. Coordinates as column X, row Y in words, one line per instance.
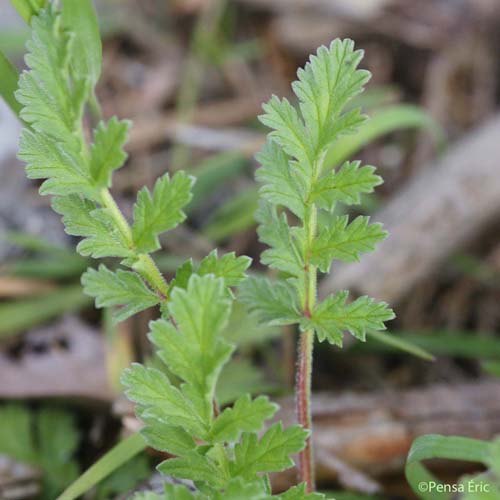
column 108, row 202
column 148, row 269
column 305, row 355
column 144, row 264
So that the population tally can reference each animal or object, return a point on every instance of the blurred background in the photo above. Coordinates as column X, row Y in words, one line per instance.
column 192, row 75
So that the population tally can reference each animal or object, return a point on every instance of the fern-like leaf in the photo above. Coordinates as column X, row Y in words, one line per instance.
column 333, row 316
column 160, row 210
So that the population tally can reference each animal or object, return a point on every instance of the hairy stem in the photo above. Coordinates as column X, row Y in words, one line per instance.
column 144, row 264
column 303, row 407
column 305, row 355
column 110, row 204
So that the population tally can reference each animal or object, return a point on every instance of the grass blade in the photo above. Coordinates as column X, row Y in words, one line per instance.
column 383, row 122
column 8, row 84
column 116, row 457
column 401, row 345
column 447, row 447
column 23, row 314
column 468, row 345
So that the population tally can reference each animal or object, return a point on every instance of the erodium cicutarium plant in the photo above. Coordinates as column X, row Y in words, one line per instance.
column 294, row 177
column 226, row 453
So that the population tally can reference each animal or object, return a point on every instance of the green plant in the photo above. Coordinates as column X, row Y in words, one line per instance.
column 294, row 176
column 219, row 450
column 222, row 451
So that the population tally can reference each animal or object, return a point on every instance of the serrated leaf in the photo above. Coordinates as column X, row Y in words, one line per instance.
column 193, row 466
column 299, row 493
column 345, row 242
column 285, row 253
column 160, row 400
column 333, row 316
column 228, row 266
column 345, row 186
column 246, row 415
column 269, row 454
column 167, row 438
column 123, row 288
column 198, row 368
column 201, row 311
column 193, row 349
column 60, row 164
column 325, row 85
column 107, row 152
column 80, row 18
column 52, row 105
column 284, row 183
column 161, row 210
column 81, row 217
column 288, row 130
column 275, row 302
column 237, row 489
column 182, row 275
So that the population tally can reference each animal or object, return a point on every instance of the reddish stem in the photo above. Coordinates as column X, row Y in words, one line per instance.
column 303, row 407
